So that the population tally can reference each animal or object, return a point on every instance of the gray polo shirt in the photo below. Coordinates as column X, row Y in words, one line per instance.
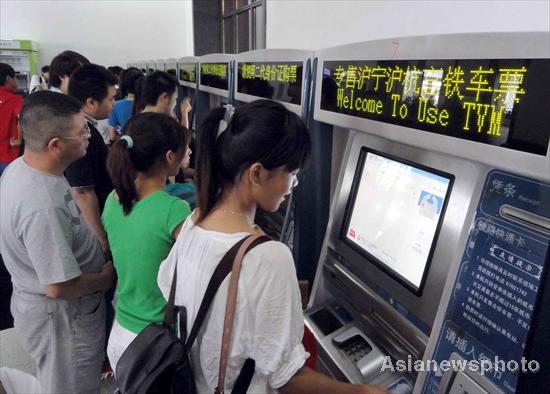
column 43, row 238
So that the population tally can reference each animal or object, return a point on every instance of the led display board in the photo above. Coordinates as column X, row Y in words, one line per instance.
column 188, row 72
column 215, row 75
column 281, row 81
column 501, row 102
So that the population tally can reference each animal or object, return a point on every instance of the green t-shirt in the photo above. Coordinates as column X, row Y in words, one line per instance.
column 139, row 242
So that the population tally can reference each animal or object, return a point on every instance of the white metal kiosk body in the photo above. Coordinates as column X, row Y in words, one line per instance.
column 215, row 86
column 422, row 125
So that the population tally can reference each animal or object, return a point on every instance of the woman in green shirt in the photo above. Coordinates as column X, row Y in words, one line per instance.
column 142, row 220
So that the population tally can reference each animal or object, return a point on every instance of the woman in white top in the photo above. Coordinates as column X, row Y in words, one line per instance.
column 247, row 157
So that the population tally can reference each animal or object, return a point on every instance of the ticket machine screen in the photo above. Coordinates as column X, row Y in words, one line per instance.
column 394, row 214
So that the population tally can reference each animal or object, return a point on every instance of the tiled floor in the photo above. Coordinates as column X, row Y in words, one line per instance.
column 12, row 356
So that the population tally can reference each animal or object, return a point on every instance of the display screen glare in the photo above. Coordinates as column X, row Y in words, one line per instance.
column 501, row 102
column 394, row 214
column 281, row 81
column 215, row 75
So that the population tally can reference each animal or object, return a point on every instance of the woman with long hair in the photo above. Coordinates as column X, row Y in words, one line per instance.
column 248, row 158
column 142, row 220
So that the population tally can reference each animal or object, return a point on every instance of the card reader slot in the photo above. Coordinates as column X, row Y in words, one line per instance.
column 525, row 218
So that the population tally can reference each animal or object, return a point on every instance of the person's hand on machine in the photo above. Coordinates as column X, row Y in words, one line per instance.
column 185, row 108
column 185, row 105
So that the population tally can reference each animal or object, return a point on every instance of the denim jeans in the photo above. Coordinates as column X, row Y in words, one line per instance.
column 3, row 167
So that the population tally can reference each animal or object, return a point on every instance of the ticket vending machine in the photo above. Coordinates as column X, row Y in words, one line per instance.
column 142, row 65
column 150, row 66
column 171, row 66
column 215, row 84
column 159, row 65
column 285, row 76
column 187, row 76
column 23, row 56
column 438, row 131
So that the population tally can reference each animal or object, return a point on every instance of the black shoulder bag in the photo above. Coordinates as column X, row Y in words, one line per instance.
column 157, row 361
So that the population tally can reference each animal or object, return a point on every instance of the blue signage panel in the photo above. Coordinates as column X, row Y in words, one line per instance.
column 490, row 310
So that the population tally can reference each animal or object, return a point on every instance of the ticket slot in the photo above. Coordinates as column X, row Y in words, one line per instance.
column 525, row 218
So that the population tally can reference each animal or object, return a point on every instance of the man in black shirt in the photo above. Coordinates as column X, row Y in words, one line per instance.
column 94, row 87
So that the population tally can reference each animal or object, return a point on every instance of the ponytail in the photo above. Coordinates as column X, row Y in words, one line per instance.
column 208, row 180
column 263, row 131
column 137, row 106
column 128, row 81
column 149, row 136
column 123, row 174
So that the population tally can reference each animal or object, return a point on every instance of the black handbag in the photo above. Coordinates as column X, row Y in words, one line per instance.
column 157, row 360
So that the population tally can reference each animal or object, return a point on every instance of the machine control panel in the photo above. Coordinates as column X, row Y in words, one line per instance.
column 355, row 347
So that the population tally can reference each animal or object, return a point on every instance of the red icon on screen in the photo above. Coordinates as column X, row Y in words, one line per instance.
column 352, row 232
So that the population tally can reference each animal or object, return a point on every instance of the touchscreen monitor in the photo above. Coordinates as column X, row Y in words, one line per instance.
column 394, row 214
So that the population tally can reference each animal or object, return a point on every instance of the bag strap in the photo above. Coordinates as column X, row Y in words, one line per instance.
column 171, row 311
column 245, row 377
column 170, row 308
column 230, row 307
column 222, row 270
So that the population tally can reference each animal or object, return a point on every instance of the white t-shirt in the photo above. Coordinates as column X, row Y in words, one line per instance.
column 268, row 325
column 103, row 128
column 36, row 80
column 15, row 381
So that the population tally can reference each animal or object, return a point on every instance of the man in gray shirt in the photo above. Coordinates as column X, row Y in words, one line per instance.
column 56, row 263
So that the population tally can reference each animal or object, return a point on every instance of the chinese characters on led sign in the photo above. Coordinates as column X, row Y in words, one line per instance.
column 272, row 72
column 215, row 69
column 214, row 75
column 280, row 81
column 488, row 101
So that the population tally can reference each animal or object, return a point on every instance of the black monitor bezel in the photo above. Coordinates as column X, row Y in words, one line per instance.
column 351, row 203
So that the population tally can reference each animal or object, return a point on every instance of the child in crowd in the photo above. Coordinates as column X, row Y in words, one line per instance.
column 142, row 220
column 247, row 159
column 123, row 108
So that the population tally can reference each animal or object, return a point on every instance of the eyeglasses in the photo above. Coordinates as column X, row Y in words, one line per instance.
column 84, row 132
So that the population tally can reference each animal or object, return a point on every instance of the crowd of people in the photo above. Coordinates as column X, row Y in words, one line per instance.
column 85, row 212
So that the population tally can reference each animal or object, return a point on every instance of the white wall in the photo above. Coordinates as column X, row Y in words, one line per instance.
column 106, row 32
column 316, row 24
